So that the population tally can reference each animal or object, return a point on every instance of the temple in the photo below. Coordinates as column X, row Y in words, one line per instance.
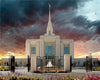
column 49, row 49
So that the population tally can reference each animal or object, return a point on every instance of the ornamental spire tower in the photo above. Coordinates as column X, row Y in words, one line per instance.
column 49, row 27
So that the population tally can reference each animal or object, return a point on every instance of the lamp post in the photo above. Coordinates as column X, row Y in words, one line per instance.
column 9, row 53
column 90, row 53
column 90, row 60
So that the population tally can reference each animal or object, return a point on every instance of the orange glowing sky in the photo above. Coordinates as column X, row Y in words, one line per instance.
column 81, row 50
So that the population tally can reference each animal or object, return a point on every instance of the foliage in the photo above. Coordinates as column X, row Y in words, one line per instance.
column 92, row 78
column 29, row 76
column 21, row 78
column 96, row 69
column 2, row 78
column 3, row 69
column 69, row 78
column 46, row 71
column 13, row 78
column 25, row 78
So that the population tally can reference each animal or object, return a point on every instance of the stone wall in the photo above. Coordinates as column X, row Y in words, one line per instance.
column 33, row 63
column 67, row 62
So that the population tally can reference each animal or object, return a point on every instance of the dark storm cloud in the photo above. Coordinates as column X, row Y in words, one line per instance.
column 82, row 21
column 16, row 37
column 24, row 12
column 75, row 27
column 97, row 25
column 17, row 13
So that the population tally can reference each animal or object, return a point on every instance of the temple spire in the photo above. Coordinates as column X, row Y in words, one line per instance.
column 49, row 13
column 49, row 27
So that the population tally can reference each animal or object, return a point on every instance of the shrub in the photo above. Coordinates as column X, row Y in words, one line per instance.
column 13, row 78
column 30, row 78
column 38, row 79
column 23, row 78
column 2, row 78
column 69, row 78
column 96, row 69
column 3, row 69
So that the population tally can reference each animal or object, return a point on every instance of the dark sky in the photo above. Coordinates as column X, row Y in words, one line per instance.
column 71, row 19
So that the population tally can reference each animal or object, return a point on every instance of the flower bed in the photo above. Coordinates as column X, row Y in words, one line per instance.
column 20, row 78
column 47, row 71
column 87, row 78
column 51, row 78
column 48, row 76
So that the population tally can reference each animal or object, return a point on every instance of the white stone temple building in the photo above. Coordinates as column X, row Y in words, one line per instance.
column 48, row 45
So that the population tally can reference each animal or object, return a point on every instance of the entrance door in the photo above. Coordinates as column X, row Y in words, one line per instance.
column 49, row 51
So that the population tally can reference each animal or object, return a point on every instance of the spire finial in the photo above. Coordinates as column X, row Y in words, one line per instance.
column 49, row 6
column 49, row 12
column 49, row 27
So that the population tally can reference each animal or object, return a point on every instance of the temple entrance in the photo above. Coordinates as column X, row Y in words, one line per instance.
column 49, row 51
column 51, row 64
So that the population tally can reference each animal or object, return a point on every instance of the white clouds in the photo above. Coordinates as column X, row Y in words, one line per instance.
column 91, row 10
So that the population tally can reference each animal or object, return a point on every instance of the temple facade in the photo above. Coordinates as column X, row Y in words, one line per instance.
column 49, row 45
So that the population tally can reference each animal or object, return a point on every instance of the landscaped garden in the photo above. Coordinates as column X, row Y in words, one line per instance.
column 64, row 78
column 48, row 76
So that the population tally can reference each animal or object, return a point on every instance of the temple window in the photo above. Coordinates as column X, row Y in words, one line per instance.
column 49, row 50
column 66, row 50
column 33, row 50
column 49, row 32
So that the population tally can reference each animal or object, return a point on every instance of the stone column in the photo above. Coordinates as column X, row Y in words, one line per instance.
column 41, row 47
column 67, row 62
column 72, row 49
column 37, row 49
column 57, row 47
column 27, row 48
column 62, row 49
column 33, row 63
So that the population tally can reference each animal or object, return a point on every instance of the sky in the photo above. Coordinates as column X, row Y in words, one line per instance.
column 71, row 19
